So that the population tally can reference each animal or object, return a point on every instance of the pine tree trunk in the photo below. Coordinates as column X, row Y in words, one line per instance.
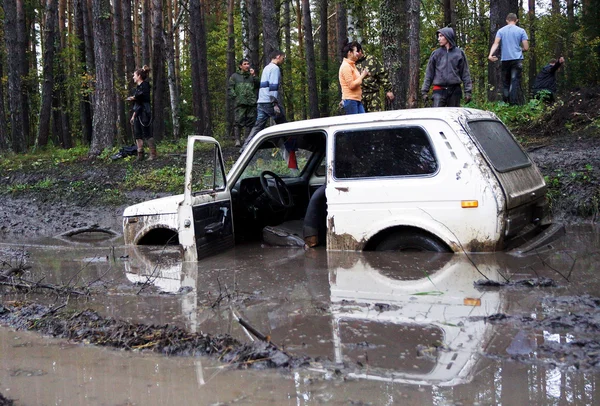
column 270, row 29
column 324, row 57
column 158, row 71
column 287, row 65
column 62, row 130
column 146, row 34
column 230, row 67
column 3, row 124
column 395, row 50
column 105, row 114
column 13, row 57
column 121, row 78
column 199, row 62
column 531, row 34
column 253, row 12
column 414, row 52
column 50, row 31
column 301, row 54
column 311, row 65
column 450, row 13
column 85, row 111
column 26, row 86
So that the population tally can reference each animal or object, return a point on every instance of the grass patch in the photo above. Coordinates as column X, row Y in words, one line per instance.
column 166, row 179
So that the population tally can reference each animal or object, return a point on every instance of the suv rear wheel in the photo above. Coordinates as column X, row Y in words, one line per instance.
column 411, row 242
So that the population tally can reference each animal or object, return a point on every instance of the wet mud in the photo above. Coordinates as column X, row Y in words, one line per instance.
column 340, row 328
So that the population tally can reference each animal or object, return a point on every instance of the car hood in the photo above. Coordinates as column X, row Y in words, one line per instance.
column 164, row 205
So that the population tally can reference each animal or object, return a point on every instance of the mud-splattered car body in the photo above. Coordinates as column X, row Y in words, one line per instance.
column 447, row 179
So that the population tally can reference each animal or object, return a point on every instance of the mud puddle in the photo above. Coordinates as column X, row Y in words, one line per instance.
column 373, row 328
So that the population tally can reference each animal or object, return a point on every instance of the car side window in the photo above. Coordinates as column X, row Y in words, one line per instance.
column 400, row 151
column 208, row 175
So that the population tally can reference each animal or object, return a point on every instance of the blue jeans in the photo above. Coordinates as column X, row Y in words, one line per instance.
column 353, row 107
column 511, row 81
column 264, row 112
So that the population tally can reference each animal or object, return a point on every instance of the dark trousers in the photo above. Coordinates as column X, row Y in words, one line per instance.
column 448, row 97
column 265, row 112
column 511, row 81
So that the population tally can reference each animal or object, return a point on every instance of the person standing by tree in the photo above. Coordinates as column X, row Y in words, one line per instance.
column 351, row 79
column 446, row 70
column 270, row 96
column 544, row 86
column 141, row 119
column 242, row 89
column 378, row 77
column 513, row 41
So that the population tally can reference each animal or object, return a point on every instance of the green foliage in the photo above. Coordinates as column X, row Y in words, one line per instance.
column 41, row 158
column 166, row 179
column 513, row 116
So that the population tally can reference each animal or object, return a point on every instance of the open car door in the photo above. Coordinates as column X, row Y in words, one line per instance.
column 205, row 219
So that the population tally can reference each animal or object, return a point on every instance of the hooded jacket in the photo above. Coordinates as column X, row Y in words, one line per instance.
column 243, row 88
column 546, row 79
column 447, row 67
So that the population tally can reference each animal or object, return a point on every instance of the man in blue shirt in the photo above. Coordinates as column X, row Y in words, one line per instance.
column 513, row 41
column 270, row 96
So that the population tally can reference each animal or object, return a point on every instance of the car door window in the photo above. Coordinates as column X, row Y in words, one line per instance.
column 208, row 173
column 401, row 151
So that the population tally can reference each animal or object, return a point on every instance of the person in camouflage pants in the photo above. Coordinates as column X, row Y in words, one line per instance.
column 371, row 85
column 242, row 89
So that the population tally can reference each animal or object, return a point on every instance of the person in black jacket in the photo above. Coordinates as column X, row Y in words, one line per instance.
column 446, row 70
column 141, row 119
column 544, row 86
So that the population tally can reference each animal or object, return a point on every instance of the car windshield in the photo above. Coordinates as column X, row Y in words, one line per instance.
column 285, row 156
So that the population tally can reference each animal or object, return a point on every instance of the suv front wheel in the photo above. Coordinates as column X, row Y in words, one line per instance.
column 411, row 242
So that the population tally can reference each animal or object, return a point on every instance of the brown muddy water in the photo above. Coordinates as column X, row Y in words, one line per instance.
column 379, row 328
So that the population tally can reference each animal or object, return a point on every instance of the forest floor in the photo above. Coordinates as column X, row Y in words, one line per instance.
column 565, row 145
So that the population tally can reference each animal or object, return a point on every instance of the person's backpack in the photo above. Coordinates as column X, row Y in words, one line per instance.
column 125, row 152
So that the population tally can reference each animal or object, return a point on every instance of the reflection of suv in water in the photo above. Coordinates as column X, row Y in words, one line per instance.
column 446, row 180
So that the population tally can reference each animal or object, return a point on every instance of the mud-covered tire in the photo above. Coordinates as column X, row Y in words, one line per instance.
column 411, row 242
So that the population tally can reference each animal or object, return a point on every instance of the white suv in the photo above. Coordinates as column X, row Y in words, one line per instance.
column 445, row 179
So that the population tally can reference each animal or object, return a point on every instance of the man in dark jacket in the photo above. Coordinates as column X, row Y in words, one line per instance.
column 544, row 86
column 446, row 70
column 242, row 89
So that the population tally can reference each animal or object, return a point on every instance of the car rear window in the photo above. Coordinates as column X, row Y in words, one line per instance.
column 502, row 150
column 401, row 151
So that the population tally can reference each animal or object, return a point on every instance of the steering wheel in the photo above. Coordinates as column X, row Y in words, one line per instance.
column 277, row 191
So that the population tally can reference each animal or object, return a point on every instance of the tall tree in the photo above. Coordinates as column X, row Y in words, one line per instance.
column 532, row 51
column 499, row 9
column 395, row 52
column 169, row 41
column 230, row 65
column 270, row 29
column 14, row 54
column 120, row 77
column 413, row 16
column 85, row 110
column 287, row 65
column 324, row 57
column 60, row 110
column 26, row 88
column 302, row 72
column 50, row 23
column 450, row 13
column 252, row 11
column 3, row 125
column 199, row 65
column 105, row 114
column 311, row 66
column 146, row 33
column 158, row 71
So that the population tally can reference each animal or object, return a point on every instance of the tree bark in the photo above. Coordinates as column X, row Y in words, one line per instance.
column 169, row 40
column 450, row 13
column 531, row 34
column 158, row 71
column 395, row 50
column 324, row 57
column 13, row 57
column 105, row 114
column 23, row 40
column 287, row 65
column 199, row 63
column 85, row 110
column 270, row 29
column 3, row 124
column 146, row 34
column 414, row 52
column 120, row 77
column 253, row 7
column 311, row 66
column 499, row 9
column 230, row 67
column 302, row 68
column 50, row 20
